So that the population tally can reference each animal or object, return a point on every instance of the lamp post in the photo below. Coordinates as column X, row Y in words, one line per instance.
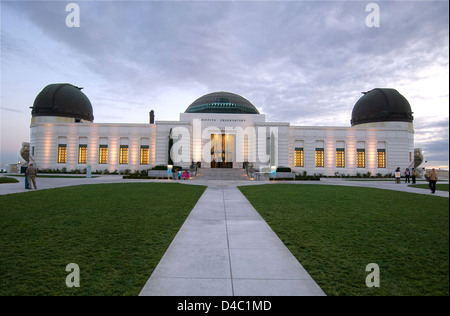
column 425, row 169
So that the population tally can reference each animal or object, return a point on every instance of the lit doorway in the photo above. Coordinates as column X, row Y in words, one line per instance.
column 222, row 149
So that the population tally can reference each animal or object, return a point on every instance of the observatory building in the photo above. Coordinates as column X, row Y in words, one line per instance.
column 221, row 130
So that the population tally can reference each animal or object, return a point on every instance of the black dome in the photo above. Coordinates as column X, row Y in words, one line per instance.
column 63, row 99
column 222, row 102
column 381, row 105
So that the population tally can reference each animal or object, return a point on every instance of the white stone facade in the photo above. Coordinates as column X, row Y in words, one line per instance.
column 61, row 143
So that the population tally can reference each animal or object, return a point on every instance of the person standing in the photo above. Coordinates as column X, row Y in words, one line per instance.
column 407, row 176
column 398, row 174
column 27, row 185
column 413, row 175
column 174, row 175
column 31, row 175
column 433, row 179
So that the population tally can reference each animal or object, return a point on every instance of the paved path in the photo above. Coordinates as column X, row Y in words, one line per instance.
column 385, row 185
column 225, row 248
column 56, row 182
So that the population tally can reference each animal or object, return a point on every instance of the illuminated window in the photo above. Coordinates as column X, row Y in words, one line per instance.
column 299, row 157
column 82, row 154
column 62, row 153
column 340, row 158
column 381, row 158
column 319, row 157
column 360, row 158
column 103, row 154
column 144, row 155
column 123, row 157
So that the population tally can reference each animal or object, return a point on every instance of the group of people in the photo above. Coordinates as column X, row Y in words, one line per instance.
column 431, row 177
column 180, row 175
column 409, row 174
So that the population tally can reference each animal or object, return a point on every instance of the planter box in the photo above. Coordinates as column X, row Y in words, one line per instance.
column 285, row 175
column 264, row 176
column 157, row 173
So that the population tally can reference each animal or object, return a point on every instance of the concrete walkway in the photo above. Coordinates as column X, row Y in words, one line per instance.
column 64, row 181
column 225, row 248
column 56, row 181
column 384, row 185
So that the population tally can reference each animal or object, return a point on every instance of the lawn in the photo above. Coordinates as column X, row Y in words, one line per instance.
column 115, row 233
column 335, row 232
column 8, row 180
column 439, row 186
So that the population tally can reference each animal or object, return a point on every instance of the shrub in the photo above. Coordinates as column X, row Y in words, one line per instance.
column 283, row 169
column 144, row 173
column 160, row 167
column 303, row 178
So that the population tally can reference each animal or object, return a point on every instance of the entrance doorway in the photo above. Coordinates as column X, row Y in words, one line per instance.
column 222, row 149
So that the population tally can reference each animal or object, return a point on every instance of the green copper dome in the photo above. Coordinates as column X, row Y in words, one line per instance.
column 222, row 103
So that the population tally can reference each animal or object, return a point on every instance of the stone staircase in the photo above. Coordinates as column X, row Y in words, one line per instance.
column 221, row 174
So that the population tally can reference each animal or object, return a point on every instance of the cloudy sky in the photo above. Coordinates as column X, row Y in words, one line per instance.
column 304, row 62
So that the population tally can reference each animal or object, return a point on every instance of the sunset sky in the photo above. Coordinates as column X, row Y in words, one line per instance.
column 303, row 62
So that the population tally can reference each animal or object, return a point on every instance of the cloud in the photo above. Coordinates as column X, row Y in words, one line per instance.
column 304, row 62
column 11, row 110
column 431, row 134
column 171, row 42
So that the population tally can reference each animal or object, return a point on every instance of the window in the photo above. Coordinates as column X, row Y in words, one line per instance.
column 381, row 158
column 123, row 157
column 103, row 154
column 360, row 158
column 62, row 153
column 144, row 154
column 299, row 157
column 82, row 154
column 340, row 158
column 319, row 157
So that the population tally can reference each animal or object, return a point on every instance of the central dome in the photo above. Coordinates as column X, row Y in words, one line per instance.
column 222, row 102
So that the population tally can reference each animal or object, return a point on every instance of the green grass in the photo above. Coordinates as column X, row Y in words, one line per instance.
column 335, row 232
column 116, row 233
column 439, row 186
column 8, row 180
